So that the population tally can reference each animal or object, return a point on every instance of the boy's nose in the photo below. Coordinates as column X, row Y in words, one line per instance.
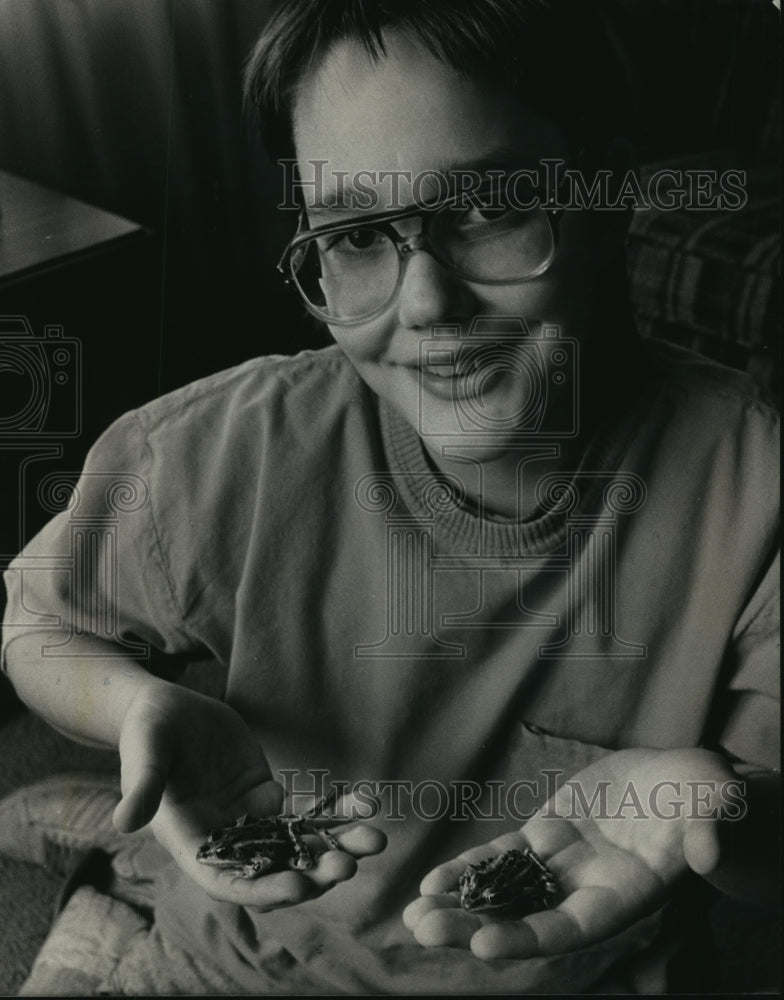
column 429, row 293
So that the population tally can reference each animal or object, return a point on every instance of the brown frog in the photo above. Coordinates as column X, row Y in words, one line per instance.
column 512, row 884
column 251, row 847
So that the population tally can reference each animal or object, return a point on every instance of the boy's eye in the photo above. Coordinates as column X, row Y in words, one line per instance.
column 480, row 221
column 355, row 241
column 465, row 217
column 487, row 214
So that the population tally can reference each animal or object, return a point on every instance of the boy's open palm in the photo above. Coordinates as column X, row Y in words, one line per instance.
column 190, row 764
column 614, row 865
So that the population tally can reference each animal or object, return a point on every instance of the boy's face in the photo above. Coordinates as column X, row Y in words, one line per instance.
column 408, row 112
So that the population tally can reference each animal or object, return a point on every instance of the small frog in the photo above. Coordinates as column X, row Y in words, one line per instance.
column 513, row 884
column 252, row 847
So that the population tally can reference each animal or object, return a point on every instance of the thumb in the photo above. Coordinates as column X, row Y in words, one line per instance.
column 140, row 803
column 701, row 845
column 143, row 776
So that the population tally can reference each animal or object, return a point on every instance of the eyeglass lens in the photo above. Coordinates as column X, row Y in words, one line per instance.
column 353, row 274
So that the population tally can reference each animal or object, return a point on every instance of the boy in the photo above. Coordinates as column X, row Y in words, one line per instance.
column 441, row 560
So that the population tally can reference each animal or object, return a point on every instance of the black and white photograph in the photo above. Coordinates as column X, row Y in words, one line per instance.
column 389, row 497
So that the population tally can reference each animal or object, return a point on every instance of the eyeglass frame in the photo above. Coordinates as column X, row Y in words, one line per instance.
column 404, row 246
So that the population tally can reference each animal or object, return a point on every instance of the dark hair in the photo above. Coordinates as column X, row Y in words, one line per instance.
column 555, row 54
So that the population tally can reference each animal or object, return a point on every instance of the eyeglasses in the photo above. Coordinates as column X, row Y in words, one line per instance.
column 348, row 273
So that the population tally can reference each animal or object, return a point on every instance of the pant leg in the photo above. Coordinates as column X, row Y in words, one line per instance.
column 84, row 945
column 56, row 821
column 100, row 946
column 153, row 966
column 104, row 942
column 64, row 823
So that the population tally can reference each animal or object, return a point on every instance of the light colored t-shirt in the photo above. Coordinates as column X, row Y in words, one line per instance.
column 376, row 628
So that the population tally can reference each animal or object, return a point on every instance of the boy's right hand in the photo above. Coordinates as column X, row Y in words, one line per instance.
column 189, row 764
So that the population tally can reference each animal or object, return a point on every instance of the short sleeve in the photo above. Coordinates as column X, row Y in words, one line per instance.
column 96, row 568
column 751, row 721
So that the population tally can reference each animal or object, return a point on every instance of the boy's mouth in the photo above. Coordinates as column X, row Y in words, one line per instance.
column 462, row 381
column 444, row 372
column 464, row 365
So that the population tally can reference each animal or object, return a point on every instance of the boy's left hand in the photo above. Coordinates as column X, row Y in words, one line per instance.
column 614, row 866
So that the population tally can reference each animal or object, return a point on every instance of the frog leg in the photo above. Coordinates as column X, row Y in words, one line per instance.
column 255, row 868
column 320, row 808
column 303, row 859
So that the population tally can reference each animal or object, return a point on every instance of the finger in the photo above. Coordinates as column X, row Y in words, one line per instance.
column 549, row 932
column 585, row 917
column 514, row 939
column 361, row 840
column 701, row 847
column 145, row 784
column 332, row 867
column 415, row 910
column 355, row 842
column 447, row 926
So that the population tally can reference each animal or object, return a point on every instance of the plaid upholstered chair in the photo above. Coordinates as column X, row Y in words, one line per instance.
column 708, row 278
